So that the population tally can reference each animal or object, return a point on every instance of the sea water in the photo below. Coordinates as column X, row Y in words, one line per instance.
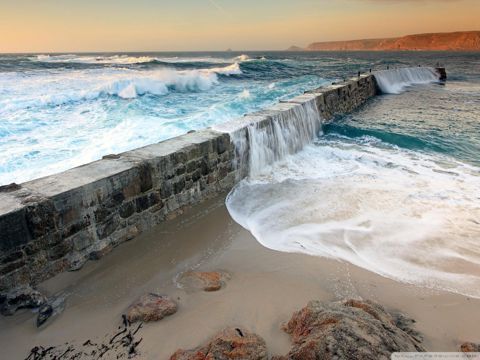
column 393, row 187
column 59, row 111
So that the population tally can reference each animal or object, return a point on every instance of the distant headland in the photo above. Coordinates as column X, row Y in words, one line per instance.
column 454, row 41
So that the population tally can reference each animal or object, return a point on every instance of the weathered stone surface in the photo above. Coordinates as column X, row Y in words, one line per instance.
column 206, row 281
column 151, row 307
column 469, row 347
column 349, row 329
column 231, row 343
column 98, row 254
column 51, row 308
column 21, row 298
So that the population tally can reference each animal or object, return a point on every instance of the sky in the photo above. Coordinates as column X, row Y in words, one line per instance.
column 200, row 25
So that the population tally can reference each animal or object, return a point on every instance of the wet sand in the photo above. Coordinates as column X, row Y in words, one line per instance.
column 265, row 289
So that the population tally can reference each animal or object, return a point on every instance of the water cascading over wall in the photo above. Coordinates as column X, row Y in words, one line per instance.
column 396, row 80
column 271, row 135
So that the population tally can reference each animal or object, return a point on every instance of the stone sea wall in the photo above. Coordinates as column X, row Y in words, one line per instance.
column 59, row 222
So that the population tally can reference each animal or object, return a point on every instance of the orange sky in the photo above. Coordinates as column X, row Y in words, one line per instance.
column 158, row 25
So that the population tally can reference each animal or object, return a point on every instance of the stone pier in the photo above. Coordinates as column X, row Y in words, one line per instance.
column 57, row 223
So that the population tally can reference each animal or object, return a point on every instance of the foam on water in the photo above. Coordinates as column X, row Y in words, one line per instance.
column 396, row 80
column 411, row 217
column 128, row 60
column 85, row 59
column 37, row 89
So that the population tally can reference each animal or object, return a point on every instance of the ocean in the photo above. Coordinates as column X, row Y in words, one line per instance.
column 393, row 187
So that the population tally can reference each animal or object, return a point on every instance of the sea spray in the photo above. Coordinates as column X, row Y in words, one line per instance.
column 396, row 80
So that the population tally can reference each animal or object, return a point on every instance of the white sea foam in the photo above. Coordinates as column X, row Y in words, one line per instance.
column 88, row 59
column 245, row 94
column 233, row 69
column 396, row 80
column 57, row 88
column 127, row 59
column 242, row 57
column 404, row 215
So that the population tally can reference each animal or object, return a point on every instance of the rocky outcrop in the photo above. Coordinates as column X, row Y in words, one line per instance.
column 349, row 329
column 206, row 281
column 51, row 308
column 455, row 41
column 231, row 343
column 21, row 298
column 151, row 307
column 469, row 347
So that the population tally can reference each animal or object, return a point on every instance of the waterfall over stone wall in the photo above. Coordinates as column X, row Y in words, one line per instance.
column 283, row 133
column 394, row 81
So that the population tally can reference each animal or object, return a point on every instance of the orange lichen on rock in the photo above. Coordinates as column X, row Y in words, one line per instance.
column 470, row 347
column 231, row 343
column 151, row 307
column 206, row 281
column 351, row 329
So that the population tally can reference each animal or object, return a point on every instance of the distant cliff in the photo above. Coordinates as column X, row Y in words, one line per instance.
column 456, row 41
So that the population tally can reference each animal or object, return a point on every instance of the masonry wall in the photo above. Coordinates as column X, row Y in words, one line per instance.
column 59, row 222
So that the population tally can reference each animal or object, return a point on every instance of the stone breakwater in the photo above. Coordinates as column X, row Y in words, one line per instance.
column 58, row 223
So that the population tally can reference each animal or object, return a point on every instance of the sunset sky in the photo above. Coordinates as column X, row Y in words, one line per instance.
column 182, row 25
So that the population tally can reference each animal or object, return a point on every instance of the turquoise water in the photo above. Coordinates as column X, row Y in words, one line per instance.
column 435, row 118
column 60, row 111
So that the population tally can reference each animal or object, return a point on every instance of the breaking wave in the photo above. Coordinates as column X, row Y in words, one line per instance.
column 131, row 60
column 125, row 84
column 87, row 59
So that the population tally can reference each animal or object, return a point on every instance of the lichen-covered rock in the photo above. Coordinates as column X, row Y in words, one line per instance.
column 231, row 343
column 470, row 347
column 20, row 298
column 349, row 329
column 151, row 307
column 206, row 281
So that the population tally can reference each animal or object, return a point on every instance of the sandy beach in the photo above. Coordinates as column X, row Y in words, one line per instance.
column 265, row 288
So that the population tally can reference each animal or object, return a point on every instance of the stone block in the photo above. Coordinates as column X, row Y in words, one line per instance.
column 82, row 240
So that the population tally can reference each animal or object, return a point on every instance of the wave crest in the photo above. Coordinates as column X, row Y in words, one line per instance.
column 82, row 59
column 124, row 83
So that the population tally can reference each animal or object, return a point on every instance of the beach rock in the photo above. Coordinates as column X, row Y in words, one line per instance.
column 470, row 347
column 231, row 343
column 151, row 307
column 20, row 298
column 206, row 281
column 51, row 308
column 351, row 329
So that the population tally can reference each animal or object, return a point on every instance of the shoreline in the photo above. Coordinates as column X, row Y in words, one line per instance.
column 265, row 288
